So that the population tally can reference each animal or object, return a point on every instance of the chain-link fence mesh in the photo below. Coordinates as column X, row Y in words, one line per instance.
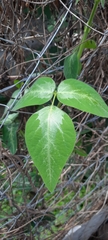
column 35, row 38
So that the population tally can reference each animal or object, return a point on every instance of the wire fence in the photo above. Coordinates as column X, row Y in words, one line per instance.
column 36, row 36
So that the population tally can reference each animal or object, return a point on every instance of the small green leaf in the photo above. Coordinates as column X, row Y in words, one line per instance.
column 10, row 136
column 80, row 95
column 39, row 93
column 19, row 84
column 90, row 44
column 71, row 66
column 80, row 152
column 76, row 2
column 50, row 138
column 50, row 28
column 102, row 3
column 11, row 117
column 3, row 99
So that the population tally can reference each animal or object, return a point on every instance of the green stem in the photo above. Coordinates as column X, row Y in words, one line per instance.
column 54, row 96
column 59, row 103
column 87, row 29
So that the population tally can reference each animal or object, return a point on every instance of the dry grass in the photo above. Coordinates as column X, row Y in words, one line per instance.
column 27, row 209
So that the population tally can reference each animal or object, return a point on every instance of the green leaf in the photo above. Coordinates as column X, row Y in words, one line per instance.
column 50, row 138
column 11, row 117
column 71, row 66
column 3, row 99
column 19, row 84
column 76, row 2
column 10, row 136
column 50, row 28
column 80, row 152
column 47, row 12
column 40, row 92
column 90, row 44
column 102, row 3
column 80, row 95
